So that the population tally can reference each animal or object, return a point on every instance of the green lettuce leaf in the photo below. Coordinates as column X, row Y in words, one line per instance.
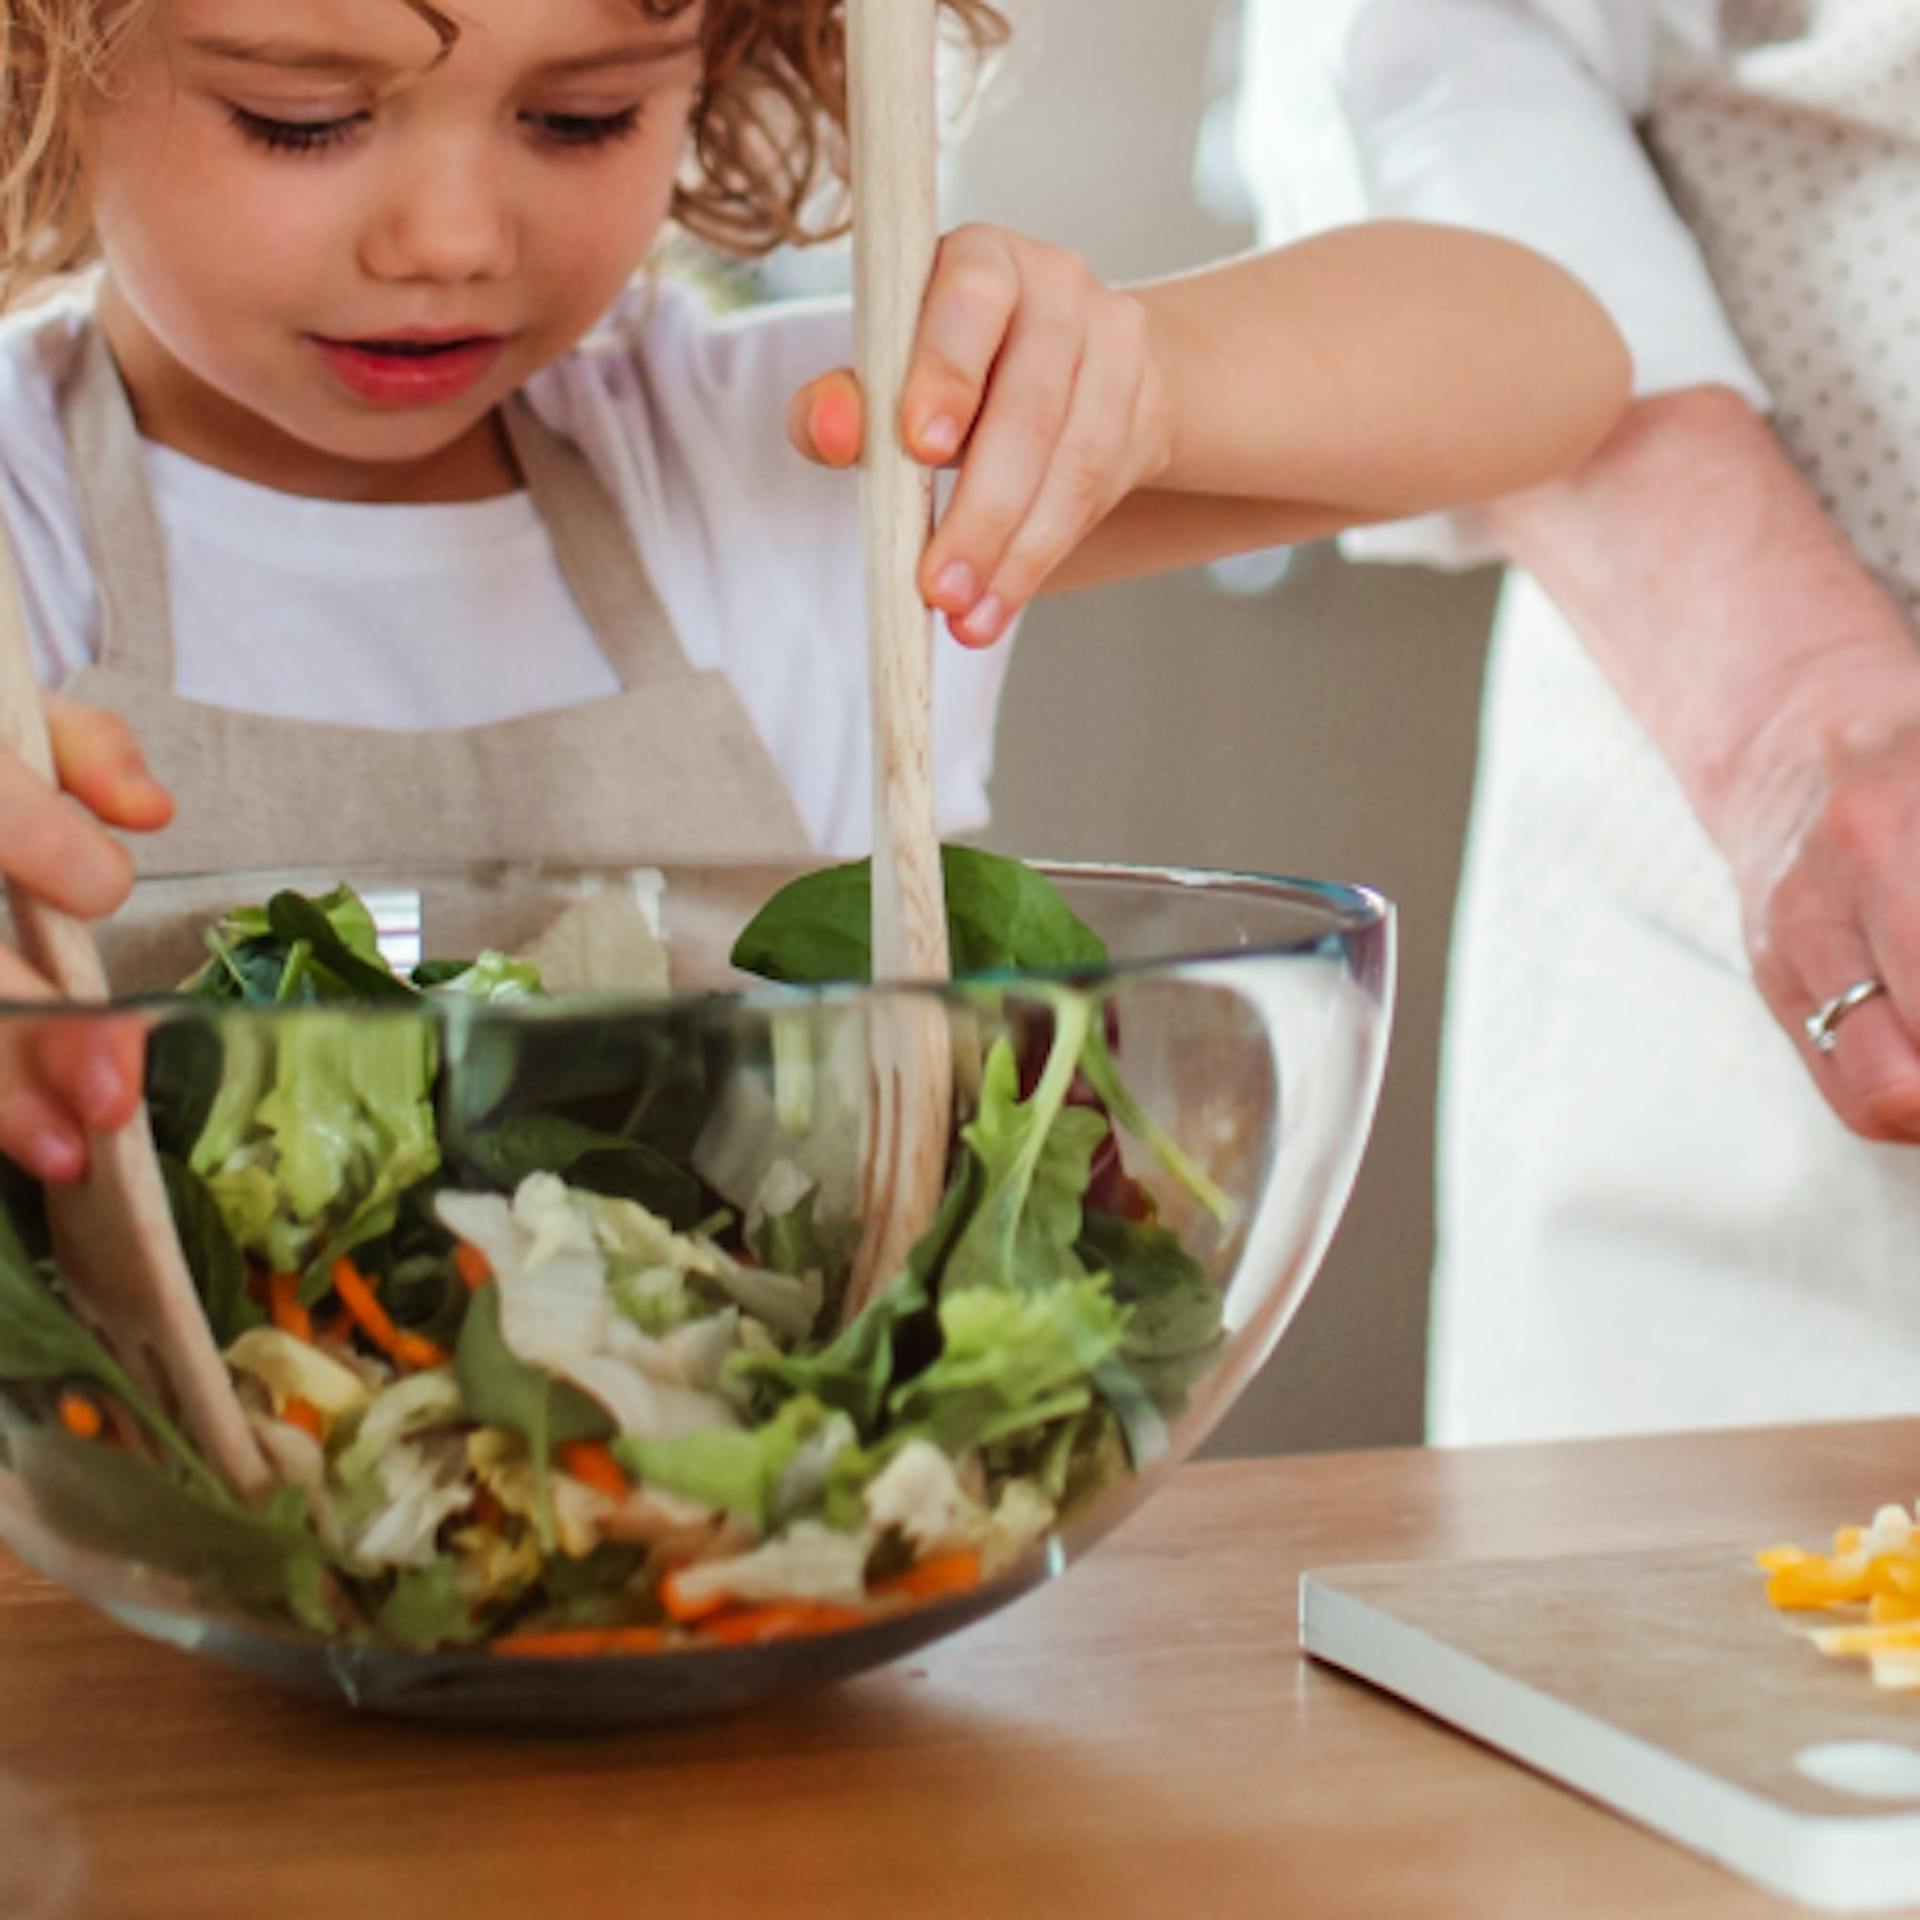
column 1035, row 1159
column 1012, row 1361
column 855, row 1370
column 320, row 1125
column 738, row 1470
column 427, row 1609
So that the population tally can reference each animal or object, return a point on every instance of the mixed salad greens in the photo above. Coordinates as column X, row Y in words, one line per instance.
column 538, row 1321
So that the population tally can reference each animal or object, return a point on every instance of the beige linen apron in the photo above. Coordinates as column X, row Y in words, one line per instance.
column 1649, row 1218
column 670, row 770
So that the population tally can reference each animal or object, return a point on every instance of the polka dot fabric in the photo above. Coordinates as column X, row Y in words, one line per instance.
column 1795, row 156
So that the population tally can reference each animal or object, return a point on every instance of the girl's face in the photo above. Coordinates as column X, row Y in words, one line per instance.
column 329, row 259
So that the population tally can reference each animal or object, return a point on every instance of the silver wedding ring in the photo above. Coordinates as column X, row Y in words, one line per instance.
column 1823, row 1025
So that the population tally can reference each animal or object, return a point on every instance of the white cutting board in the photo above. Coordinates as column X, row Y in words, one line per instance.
column 1664, row 1685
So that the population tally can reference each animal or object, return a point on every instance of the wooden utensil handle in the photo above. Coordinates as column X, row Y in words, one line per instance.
column 894, row 116
column 60, row 947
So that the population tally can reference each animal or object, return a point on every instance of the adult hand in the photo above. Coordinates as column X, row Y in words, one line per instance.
column 1782, row 685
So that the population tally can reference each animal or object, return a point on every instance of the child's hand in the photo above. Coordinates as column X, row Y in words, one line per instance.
column 60, row 1077
column 1042, row 385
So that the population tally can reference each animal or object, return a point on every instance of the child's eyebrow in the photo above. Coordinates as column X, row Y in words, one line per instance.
column 304, row 57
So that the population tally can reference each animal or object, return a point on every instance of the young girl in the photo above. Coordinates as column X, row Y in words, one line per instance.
column 364, row 504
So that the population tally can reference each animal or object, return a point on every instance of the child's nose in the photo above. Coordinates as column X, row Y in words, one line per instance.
column 444, row 220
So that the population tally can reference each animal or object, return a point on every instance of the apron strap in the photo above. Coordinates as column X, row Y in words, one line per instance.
column 592, row 544
column 117, row 518
column 595, row 550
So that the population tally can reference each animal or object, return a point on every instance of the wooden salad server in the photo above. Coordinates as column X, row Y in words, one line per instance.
column 113, row 1230
column 909, row 1110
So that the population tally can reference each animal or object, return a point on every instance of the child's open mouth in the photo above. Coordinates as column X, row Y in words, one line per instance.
column 410, row 372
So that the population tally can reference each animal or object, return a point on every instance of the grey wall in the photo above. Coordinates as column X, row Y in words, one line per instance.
column 1325, row 728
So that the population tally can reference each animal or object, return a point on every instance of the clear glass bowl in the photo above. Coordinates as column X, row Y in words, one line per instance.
column 1247, row 1017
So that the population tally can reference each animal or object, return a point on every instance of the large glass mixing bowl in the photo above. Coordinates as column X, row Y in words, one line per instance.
column 1245, row 1016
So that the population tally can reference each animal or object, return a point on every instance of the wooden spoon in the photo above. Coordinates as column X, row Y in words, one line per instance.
column 113, row 1230
column 895, row 123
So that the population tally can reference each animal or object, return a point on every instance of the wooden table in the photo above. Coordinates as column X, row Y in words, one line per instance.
column 1141, row 1738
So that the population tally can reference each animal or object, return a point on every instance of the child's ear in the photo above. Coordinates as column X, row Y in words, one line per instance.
column 825, row 420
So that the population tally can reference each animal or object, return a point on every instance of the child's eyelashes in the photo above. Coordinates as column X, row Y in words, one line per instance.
column 586, row 129
column 295, row 136
column 568, row 130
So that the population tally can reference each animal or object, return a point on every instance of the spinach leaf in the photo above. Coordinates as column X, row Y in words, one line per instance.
column 295, row 951
column 110, row 1500
column 1173, row 1335
column 1002, row 915
column 184, row 1072
column 1175, row 1307
column 294, row 919
column 213, row 1255
column 40, row 1339
column 603, row 1163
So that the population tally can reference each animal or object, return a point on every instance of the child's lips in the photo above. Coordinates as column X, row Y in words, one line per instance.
column 411, row 369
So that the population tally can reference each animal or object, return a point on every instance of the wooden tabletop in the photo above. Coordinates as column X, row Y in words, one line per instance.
column 1139, row 1738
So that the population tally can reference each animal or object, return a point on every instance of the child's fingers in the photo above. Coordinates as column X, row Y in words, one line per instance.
column 976, row 289
column 1094, row 463
column 1014, row 446
column 100, row 763
column 94, row 1066
column 54, row 849
column 61, row 1076
column 825, row 420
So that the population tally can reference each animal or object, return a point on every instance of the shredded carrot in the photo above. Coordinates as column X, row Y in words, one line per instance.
column 283, row 1300
column 785, row 1620
column 410, row 1351
column 936, row 1579
column 471, row 1265
column 592, row 1462
column 81, row 1416
column 574, row 1643
column 684, row 1608
column 306, row 1416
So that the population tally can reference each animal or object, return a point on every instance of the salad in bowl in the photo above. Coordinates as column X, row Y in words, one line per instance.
column 529, row 1263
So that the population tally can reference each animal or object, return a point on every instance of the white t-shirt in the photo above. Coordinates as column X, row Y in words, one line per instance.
column 1515, row 117
column 429, row 617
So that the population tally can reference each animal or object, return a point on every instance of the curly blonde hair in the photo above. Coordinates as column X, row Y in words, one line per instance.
column 769, row 129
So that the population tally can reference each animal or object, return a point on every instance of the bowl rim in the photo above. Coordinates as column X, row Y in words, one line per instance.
column 1353, row 910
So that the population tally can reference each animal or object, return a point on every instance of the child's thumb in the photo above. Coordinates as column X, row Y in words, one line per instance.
column 99, row 762
column 825, row 420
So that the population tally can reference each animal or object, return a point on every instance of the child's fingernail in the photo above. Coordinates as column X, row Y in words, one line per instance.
column 986, row 622
column 954, row 586
column 57, row 1156
column 941, row 437
column 102, row 1092
column 830, row 427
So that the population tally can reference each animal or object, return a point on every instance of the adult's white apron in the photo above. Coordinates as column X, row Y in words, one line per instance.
column 1649, row 1219
column 671, row 769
